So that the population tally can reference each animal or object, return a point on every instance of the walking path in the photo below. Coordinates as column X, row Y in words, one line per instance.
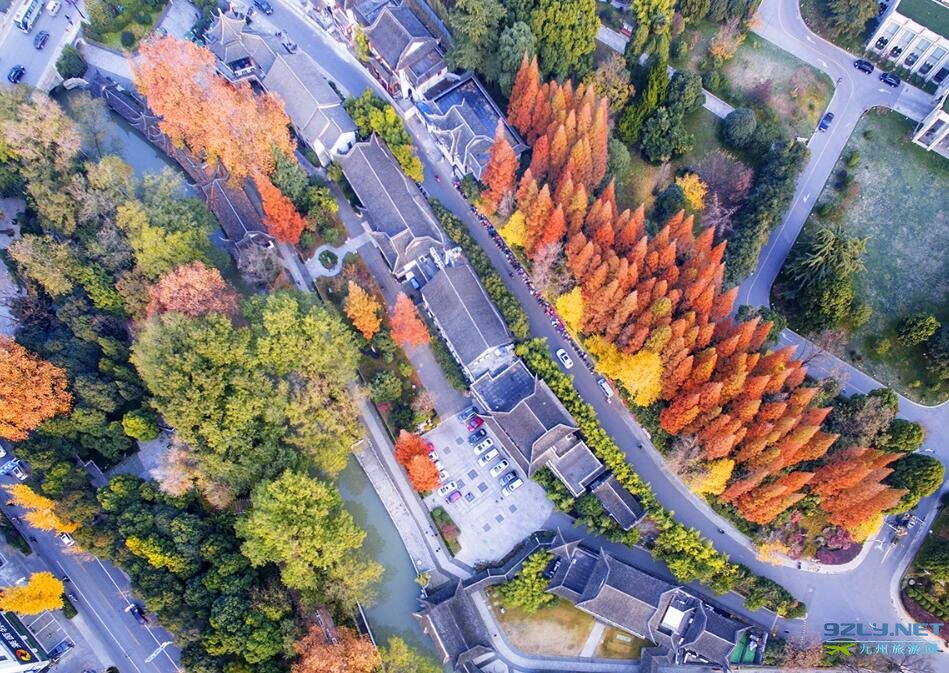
column 596, row 635
column 107, row 60
column 315, row 266
column 617, row 42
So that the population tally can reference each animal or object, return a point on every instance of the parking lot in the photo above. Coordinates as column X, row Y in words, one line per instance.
column 490, row 522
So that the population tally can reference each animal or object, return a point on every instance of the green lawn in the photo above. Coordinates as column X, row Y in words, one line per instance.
column 901, row 208
column 645, row 179
column 762, row 75
column 928, row 13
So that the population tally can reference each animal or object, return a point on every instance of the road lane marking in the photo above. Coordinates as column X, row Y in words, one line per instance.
column 104, row 625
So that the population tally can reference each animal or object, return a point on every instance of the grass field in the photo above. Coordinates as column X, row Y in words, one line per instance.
column 618, row 644
column 558, row 630
column 762, row 74
column 902, row 210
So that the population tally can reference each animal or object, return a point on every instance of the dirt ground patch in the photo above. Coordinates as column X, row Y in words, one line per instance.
column 617, row 644
column 557, row 630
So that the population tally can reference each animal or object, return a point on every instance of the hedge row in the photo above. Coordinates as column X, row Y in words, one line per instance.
column 927, row 602
column 688, row 555
column 507, row 304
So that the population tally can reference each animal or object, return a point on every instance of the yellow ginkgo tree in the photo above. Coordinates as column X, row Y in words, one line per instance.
column 40, row 513
column 44, row 591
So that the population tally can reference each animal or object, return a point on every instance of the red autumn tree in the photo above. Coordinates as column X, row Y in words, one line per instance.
column 423, row 474
column 280, row 215
column 499, row 173
column 193, row 290
column 363, row 310
column 408, row 446
column 407, row 327
column 31, row 390
column 351, row 653
column 524, row 94
column 216, row 120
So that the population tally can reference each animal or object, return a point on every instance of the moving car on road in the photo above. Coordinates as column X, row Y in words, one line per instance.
column 863, row 66
column 605, row 387
column 66, row 539
column 16, row 74
column 41, row 39
column 264, row 6
column 136, row 611
column 890, row 79
column 825, row 122
column 564, row 358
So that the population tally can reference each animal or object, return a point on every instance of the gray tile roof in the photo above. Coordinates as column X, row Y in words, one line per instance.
column 403, row 225
column 314, row 108
column 451, row 618
column 465, row 313
column 463, row 119
column 620, row 503
column 712, row 636
column 623, row 595
column 366, row 11
column 393, row 33
column 576, row 466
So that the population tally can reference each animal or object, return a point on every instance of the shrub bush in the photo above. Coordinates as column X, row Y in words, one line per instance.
column 70, row 63
column 127, row 38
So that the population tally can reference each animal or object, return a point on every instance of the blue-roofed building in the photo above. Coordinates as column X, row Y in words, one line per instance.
column 463, row 119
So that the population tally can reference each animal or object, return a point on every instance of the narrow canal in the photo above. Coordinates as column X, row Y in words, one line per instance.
column 397, row 593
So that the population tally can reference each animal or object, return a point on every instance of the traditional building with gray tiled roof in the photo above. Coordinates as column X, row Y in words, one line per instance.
column 314, row 108
column 401, row 223
column 406, row 56
column 463, row 119
column 465, row 315
column 534, row 425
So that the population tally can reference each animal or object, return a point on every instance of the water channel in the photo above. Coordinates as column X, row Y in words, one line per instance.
column 397, row 593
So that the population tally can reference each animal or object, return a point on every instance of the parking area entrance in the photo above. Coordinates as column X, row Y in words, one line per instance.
column 491, row 522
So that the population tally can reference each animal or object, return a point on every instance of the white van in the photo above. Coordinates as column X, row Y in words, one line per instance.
column 607, row 390
column 53, row 6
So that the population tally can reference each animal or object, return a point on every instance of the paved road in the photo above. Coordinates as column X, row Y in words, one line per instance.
column 103, row 595
column 16, row 47
column 842, row 597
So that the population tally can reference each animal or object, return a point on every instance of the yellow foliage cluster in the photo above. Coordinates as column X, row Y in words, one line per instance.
column 863, row 531
column 44, row 591
column 570, row 309
column 694, row 190
column 515, row 230
column 41, row 514
column 771, row 552
column 715, row 477
column 639, row 374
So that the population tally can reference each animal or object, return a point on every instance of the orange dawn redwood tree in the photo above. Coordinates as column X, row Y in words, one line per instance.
column 280, row 215
column 363, row 310
column 31, row 390
column 215, row 119
column 193, row 290
column 407, row 446
column 407, row 327
column 499, row 173
column 352, row 653
column 423, row 474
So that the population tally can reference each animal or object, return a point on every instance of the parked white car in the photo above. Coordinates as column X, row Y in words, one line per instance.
column 447, row 488
column 513, row 486
column 66, row 539
column 499, row 468
column 483, row 446
column 488, row 457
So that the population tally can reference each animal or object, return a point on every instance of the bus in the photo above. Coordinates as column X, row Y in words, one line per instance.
column 27, row 15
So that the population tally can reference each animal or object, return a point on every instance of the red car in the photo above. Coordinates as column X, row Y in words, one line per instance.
column 475, row 423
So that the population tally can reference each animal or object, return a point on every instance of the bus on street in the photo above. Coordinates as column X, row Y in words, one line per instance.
column 26, row 16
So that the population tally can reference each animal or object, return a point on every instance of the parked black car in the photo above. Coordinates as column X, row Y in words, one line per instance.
column 890, row 79
column 264, row 6
column 863, row 66
column 16, row 74
column 477, row 436
column 825, row 122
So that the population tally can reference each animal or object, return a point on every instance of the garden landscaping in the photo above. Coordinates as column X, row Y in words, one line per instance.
column 893, row 195
column 559, row 629
column 617, row 644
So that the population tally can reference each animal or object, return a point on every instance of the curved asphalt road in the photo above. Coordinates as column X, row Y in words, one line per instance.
column 857, row 594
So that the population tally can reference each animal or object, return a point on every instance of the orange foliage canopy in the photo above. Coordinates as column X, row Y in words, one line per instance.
column 408, row 446
column 498, row 175
column 280, row 215
column 352, row 653
column 216, row 120
column 407, row 327
column 423, row 474
column 363, row 310
column 31, row 390
column 193, row 290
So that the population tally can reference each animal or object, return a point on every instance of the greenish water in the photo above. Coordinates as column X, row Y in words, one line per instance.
column 398, row 593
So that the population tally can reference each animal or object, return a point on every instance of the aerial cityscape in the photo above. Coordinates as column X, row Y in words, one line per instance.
column 499, row 336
